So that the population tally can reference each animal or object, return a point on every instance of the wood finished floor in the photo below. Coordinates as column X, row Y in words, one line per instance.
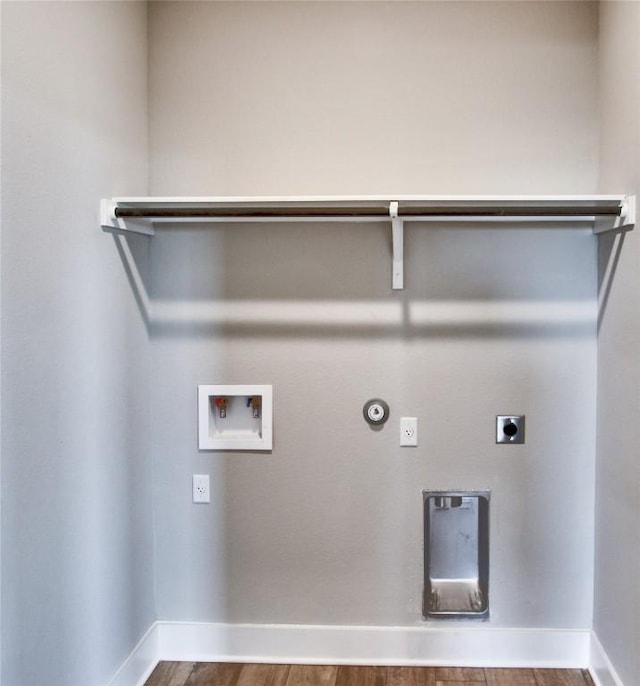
column 231, row 674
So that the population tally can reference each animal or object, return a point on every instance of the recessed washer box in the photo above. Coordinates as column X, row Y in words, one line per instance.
column 235, row 417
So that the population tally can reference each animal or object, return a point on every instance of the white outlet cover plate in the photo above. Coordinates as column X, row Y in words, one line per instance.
column 408, row 431
column 200, row 488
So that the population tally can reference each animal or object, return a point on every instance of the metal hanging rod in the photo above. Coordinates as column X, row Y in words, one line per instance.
column 411, row 211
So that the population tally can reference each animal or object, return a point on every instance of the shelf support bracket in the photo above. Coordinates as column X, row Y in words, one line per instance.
column 624, row 222
column 117, row 225
column 397, row 235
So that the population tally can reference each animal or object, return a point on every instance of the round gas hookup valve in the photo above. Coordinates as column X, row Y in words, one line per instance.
column 375, row 412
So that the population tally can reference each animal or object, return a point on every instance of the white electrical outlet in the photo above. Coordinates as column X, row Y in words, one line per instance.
column 409, row 431
column 201, row 492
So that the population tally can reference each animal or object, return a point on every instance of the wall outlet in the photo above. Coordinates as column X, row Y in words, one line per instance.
column 201, row 493
column 409, row 431
column 510, row 428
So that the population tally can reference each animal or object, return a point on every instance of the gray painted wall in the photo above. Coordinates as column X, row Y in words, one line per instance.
column 318, row 98
column 617, row 594
column 77, row 583
column 338, row 98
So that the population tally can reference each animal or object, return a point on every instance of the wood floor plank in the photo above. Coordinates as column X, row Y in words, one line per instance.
column 312, row 675
column 263, row 675
column 361, row 676
column 170, row 674
column 559, row 677
column 454, row 674
column 214, row 674
column 587, row 677
column 510, row 677
column 411, row 676
column 230, row 674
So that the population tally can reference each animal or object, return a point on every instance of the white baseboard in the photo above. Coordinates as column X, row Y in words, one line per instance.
column 463, row 646
column 137, row 668
column 602, row 671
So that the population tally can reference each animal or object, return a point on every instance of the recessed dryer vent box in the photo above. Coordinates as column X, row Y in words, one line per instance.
column 456, row 554
column 235, row 417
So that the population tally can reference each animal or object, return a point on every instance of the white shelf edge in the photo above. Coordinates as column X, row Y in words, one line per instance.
column 110, row 221
column 153, row 200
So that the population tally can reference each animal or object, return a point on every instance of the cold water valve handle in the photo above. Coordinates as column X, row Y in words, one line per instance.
column 375, row 412
column 254, row 402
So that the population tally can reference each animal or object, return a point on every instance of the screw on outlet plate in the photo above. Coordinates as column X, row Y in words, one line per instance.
column 510, row 428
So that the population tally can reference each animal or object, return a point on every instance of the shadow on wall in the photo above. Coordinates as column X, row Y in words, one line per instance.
column 610, row 245
column 324, row 281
